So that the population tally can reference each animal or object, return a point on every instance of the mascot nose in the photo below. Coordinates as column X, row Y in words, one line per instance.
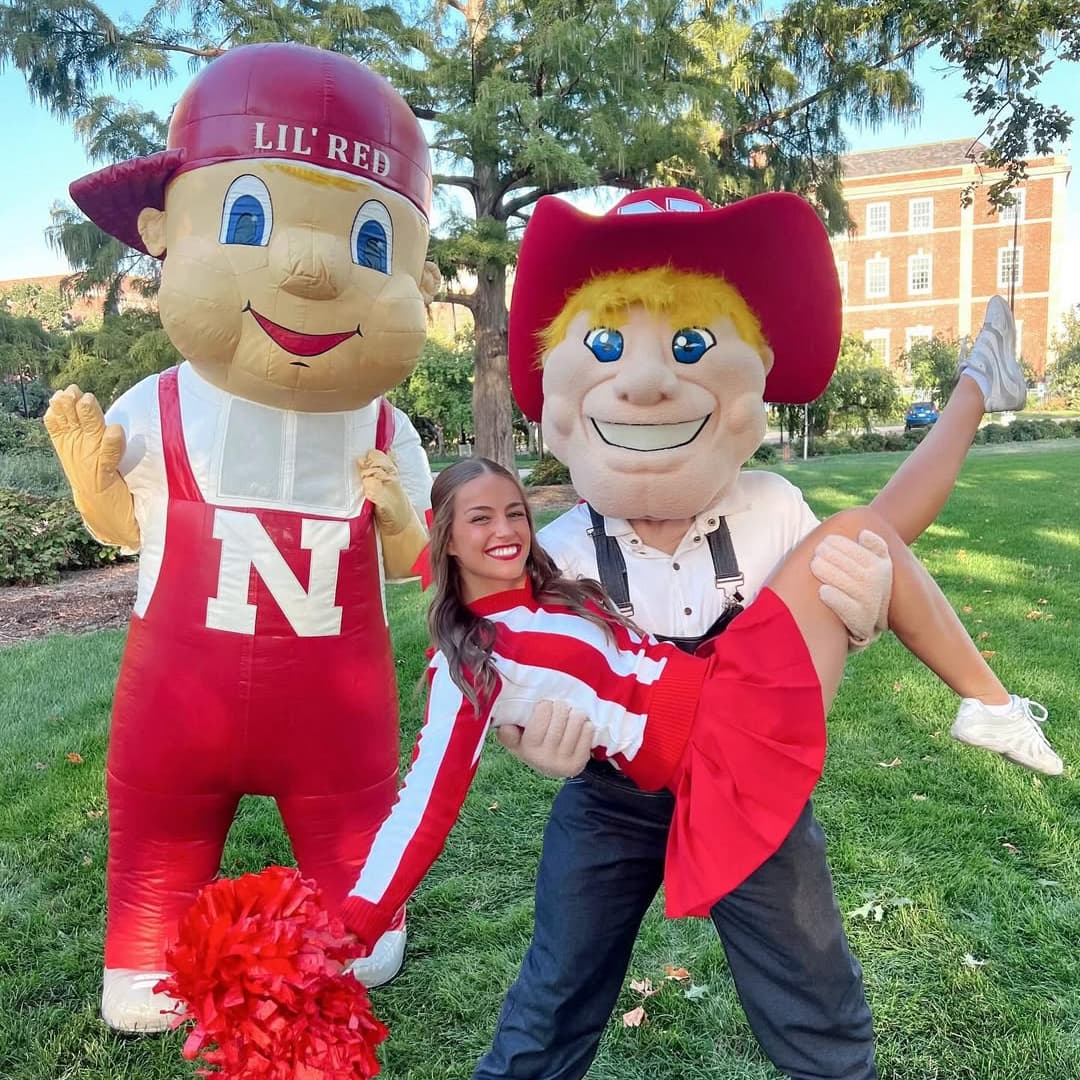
column 645, row 380
column 310, row 264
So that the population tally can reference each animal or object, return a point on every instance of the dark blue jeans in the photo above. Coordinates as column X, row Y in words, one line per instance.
column 602, row 863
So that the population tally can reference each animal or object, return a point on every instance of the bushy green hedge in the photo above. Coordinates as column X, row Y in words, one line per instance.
column 548, row 470
column 18, row 435
column 37, row 472
column 39, row 537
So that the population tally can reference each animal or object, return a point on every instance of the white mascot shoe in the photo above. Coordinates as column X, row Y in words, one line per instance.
column 129, row 1004
column 385, row 960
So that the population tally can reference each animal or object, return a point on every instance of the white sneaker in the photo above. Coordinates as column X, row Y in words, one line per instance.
column 1016, row 734
column 129, row 1004
column 991, row 359
column 384, row 961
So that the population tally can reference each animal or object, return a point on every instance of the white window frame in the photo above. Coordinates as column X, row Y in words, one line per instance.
column 1007, row 215
column 923, row 290
column 1016, row 281
column 920, row 204
column 870, row 208
column 873, row 336
column 917, row 333
column 842, row 274
column 1019, row 339
column 877, row 261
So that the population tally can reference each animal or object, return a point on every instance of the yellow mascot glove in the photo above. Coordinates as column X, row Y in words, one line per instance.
column 556, row 742
column 89, row 453
column 401, row 531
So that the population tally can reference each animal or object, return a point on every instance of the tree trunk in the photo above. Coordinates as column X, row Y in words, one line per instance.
column 492, row 412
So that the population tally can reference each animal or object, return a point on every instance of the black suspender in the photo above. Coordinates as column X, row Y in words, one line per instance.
column 611, row 565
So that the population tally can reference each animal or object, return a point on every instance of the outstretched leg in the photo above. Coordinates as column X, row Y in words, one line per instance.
column 990, row 380
column 925, row 622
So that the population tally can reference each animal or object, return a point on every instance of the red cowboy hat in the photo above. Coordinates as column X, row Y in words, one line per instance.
column 772, row 248
column 274, row 101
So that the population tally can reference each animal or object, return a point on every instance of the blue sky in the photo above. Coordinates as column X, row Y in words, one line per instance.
column 52, row 157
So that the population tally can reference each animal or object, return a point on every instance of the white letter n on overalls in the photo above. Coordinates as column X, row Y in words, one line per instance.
column 246, row 544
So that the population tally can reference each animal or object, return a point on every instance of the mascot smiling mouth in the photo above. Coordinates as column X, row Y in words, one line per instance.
column 292, row 341
column 648, row 437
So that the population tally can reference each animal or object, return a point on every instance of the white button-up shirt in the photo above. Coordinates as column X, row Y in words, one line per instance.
column 677, row 595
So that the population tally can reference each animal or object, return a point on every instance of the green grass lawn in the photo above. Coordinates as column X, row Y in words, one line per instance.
column 972, row 971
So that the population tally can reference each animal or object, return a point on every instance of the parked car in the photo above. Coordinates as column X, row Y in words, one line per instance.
column 920, row 414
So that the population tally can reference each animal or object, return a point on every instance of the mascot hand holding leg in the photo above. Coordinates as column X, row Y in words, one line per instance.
column 291, row 212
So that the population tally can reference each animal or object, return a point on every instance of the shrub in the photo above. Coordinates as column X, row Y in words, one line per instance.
column 995, row 433
column 895, row 441
column 913, row 437
column 1023, row 431
column 17, row 434
column 37, row 472
column 548, row 470
column 765, row 454
column 868, row 442
column 40, row 537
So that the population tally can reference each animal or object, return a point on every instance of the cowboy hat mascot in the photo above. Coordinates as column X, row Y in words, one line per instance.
column 291, row 212
column 647, row 341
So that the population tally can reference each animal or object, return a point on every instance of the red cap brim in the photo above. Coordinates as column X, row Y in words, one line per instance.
column 113, row 197
column 773, row 248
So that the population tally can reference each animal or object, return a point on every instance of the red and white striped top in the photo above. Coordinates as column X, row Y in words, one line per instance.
column 640, row 694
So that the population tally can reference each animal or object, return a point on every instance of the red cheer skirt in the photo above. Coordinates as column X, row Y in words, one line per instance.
column 753, row 756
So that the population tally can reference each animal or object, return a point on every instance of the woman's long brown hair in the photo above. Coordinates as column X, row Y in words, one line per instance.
column 464, row 638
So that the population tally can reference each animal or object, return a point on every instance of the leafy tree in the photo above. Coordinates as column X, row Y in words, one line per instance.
column 438, row 395
column 531, row 97
column 28, row 353
column 861, row 390
column 1064, row 373
column 31, row 300
column 932, row 364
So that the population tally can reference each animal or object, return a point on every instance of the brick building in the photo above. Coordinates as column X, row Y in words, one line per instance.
column 918, row 264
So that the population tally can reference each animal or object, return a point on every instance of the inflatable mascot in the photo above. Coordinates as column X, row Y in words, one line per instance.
column 291, row 212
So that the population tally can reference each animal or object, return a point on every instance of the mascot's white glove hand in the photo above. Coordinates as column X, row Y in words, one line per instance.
column 555, row 742
column 856, row 583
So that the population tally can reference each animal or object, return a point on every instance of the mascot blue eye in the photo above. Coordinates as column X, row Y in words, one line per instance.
column 372, row 242
column 605, row 344
column 690, row 345
column 247, row 216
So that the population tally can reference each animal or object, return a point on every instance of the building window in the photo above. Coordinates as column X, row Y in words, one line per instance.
column 878, row 340
column 1008, row 214
column 915, row 334
column 877, row 277
column 841, row 273
column 920, row 215
column 1010, row 267
column 919, row 274
column 877, row 219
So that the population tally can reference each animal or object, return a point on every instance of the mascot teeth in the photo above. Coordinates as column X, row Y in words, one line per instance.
column 650, row 436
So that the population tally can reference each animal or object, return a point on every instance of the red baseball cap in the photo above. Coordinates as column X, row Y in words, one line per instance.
column 275, row 101
column 773, row 248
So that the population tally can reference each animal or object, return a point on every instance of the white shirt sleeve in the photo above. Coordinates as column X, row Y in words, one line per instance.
column 412, row 464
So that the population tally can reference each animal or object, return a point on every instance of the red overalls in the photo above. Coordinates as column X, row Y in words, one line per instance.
column 294, row 698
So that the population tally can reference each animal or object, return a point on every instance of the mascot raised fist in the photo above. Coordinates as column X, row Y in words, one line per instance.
column 291, row 212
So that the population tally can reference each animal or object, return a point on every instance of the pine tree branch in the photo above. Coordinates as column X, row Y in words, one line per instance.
column 422, row 113
column 775, row 116
column 210, row 52
column 611, row 178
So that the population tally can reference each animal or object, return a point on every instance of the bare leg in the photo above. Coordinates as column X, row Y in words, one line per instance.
column 919, row 614
column 917, row 491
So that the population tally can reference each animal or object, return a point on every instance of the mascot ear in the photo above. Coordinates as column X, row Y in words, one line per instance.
column 151, row 224
column 768, row 358
column 430, row 282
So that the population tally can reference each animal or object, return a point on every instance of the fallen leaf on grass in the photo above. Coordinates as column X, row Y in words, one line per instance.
column 890, row 764
column 971, row 962
column 896, row 685
column 1034, row 614
column 961, row 554
column 40, row 765
column 1046, row 883
column 1043, row 601
column 680, row 974
column 95, row 813
column 642, row 986
column 967, row 609
column 87, row 860
column 696, row 992
column 75, row 759
column 984, row 635
column 919, row 798
column 635, row 1017
column 494, row 805
column 987, row 653
column 875, row 909
column 1012, row 849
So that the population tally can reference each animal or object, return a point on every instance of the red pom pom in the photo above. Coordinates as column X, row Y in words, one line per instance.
column 258, row 964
